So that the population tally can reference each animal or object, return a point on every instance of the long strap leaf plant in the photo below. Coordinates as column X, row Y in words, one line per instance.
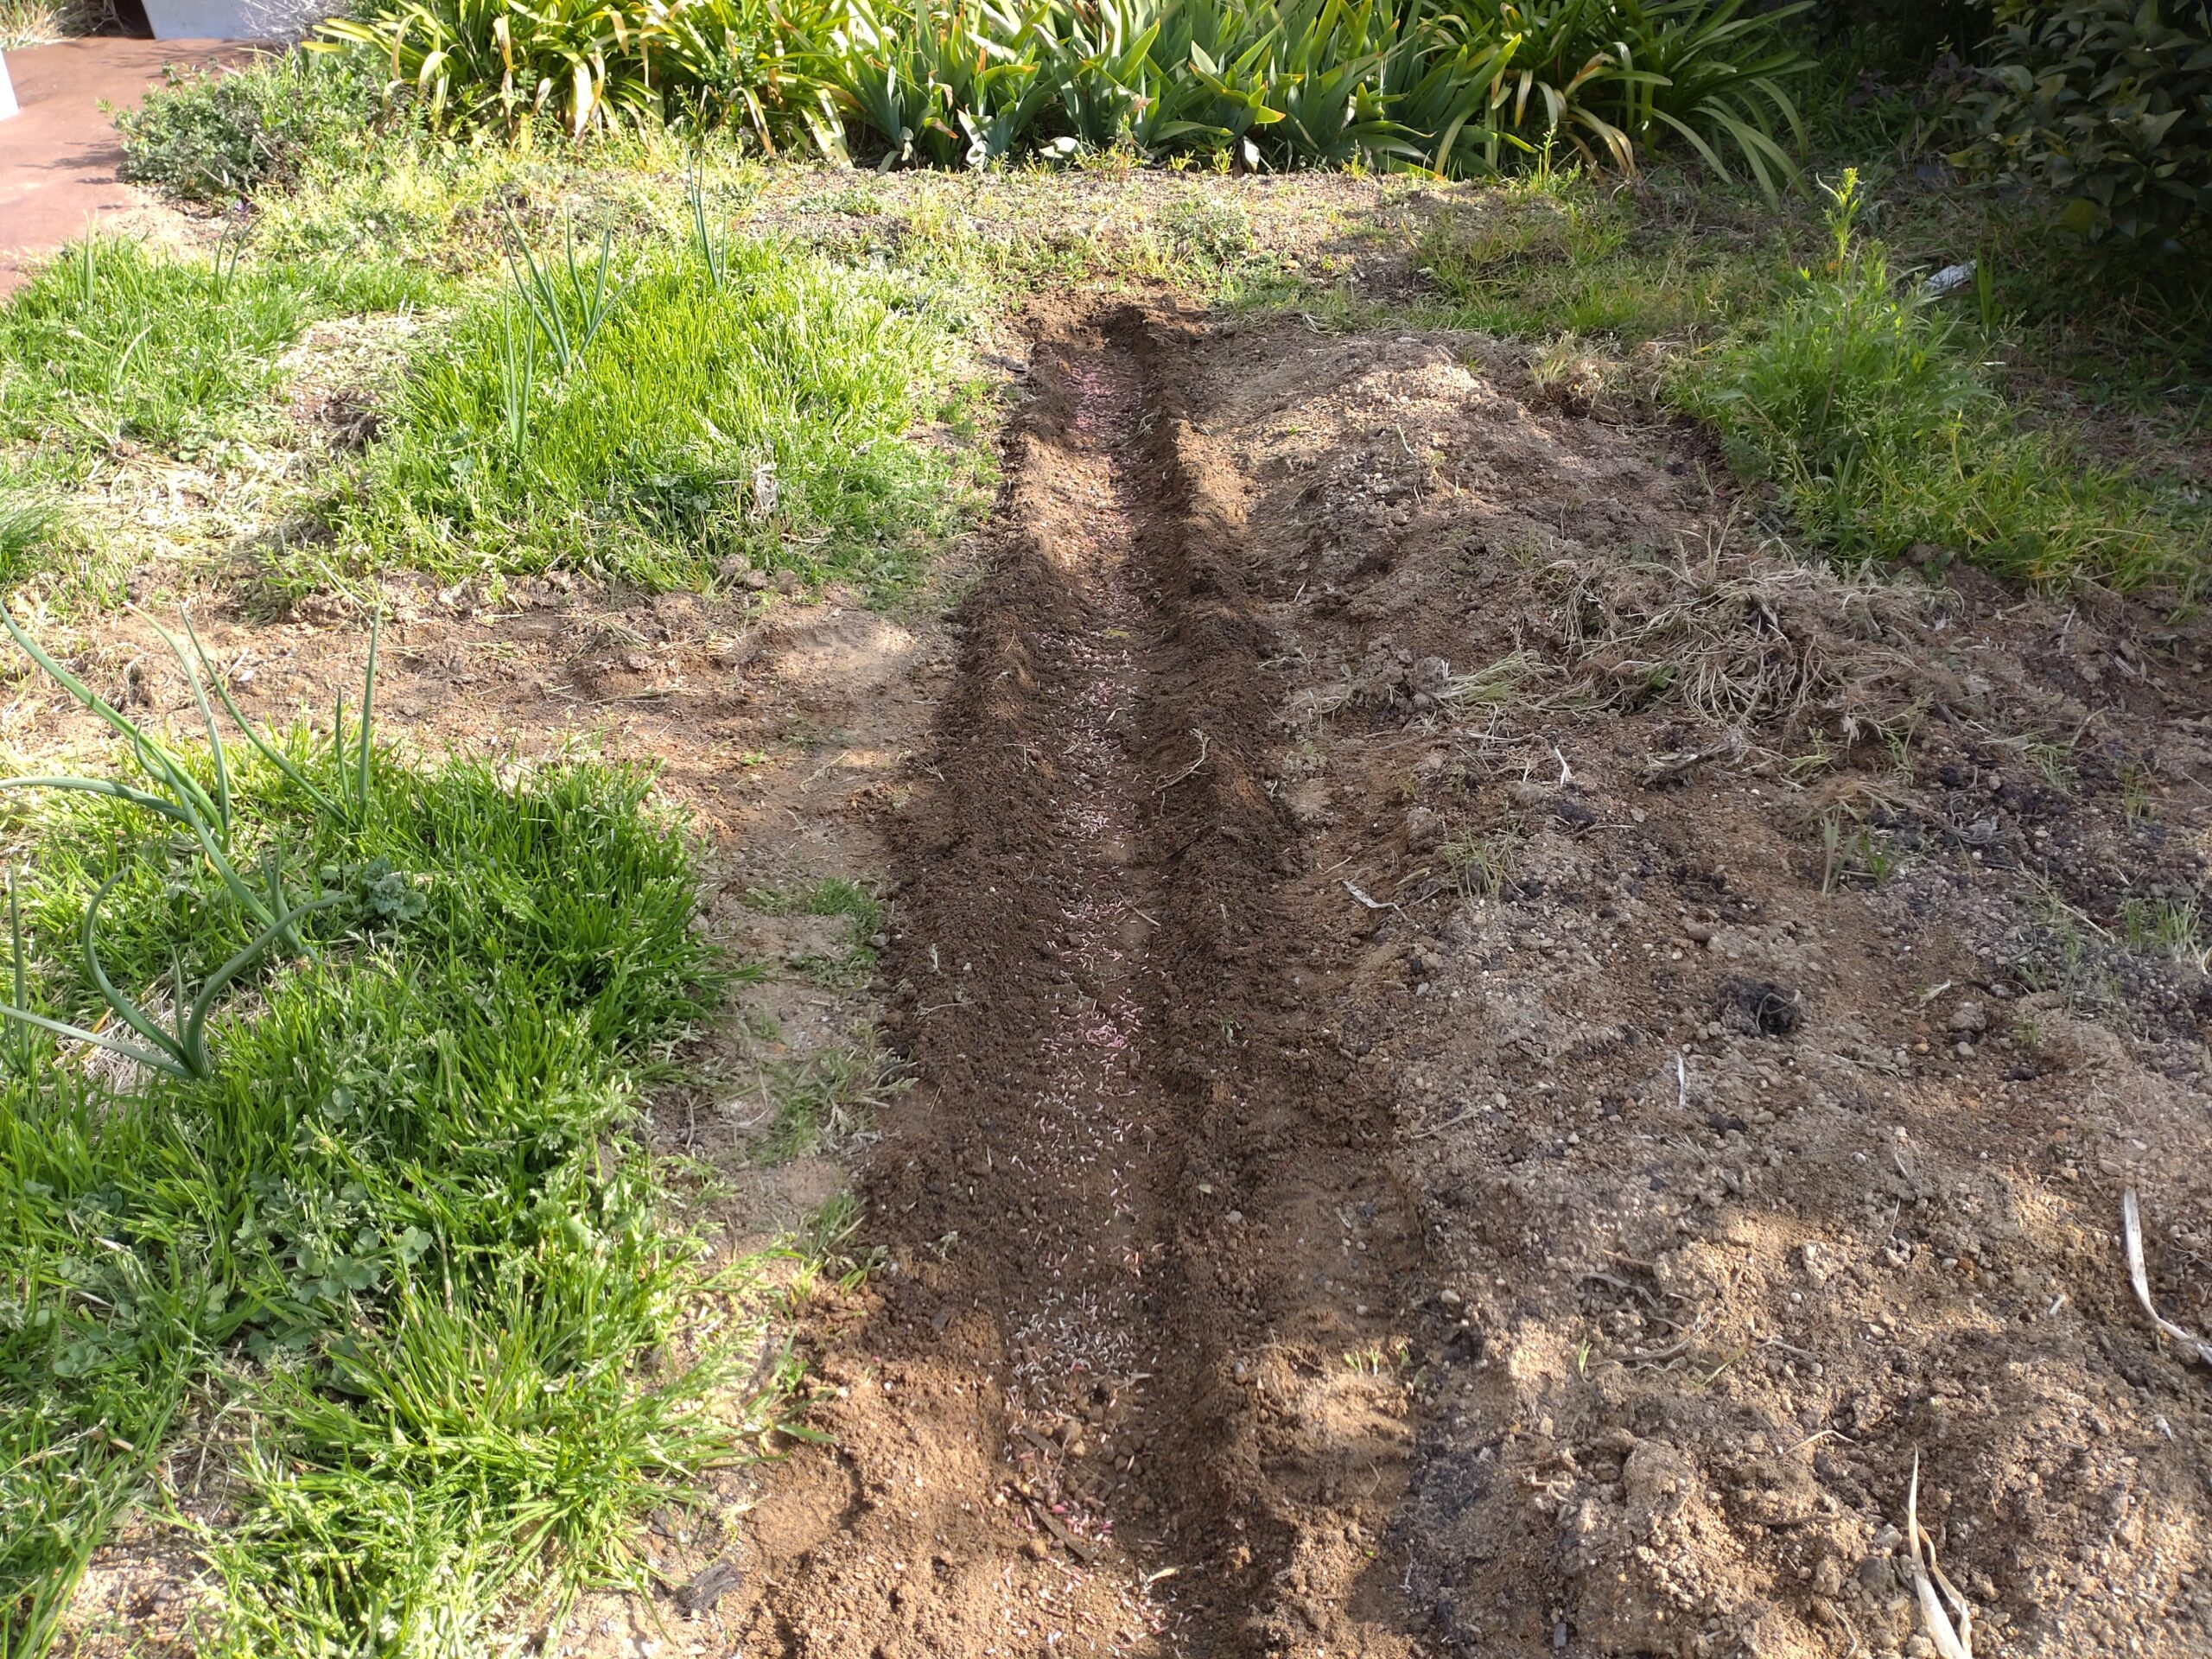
column 174, row 793
column 538, row 283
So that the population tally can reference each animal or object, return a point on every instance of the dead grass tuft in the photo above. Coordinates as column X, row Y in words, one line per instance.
column 1795, row 652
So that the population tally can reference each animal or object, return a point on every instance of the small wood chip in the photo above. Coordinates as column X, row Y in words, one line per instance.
column 1083, row 1552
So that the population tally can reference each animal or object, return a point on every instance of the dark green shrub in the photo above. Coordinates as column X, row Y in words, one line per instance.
column 2105, row 105
column 1900, row 36
column 213, row 136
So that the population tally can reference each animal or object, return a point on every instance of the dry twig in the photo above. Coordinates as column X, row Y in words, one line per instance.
column 1372, row 904
column 1191, row 769
column 2131, row 1223
column 1952, row 1641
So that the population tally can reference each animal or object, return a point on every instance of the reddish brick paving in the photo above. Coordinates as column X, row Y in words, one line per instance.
column 58, row 159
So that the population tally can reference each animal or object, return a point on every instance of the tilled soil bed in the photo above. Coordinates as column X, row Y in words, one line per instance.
column 1495, row 1058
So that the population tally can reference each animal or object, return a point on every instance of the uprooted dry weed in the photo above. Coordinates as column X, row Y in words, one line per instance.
column 1780, row 659
column 1762, row 644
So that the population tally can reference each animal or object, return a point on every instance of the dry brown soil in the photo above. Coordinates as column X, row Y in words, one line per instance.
column 1421, row 1144
column 1489, row 1059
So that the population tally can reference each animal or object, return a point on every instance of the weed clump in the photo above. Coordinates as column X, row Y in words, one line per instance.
column 212, row 137
column 1870, row 407
column 1870, row 412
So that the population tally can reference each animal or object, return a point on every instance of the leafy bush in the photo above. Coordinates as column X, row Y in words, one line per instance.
column 1716, row 81
column 1457, row 87
column 588, row 64
column 1899, row 36
column 2106, row 105
column 214, row 135
column 1454, row 85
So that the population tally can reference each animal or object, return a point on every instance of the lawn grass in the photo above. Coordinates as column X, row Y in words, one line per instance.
column 763, row 417
column 30, row 521
column 398, row 1255
column 1558, row 253
column 1873, row 411
column 113, row 345
column 109, row 343
column 767, row 417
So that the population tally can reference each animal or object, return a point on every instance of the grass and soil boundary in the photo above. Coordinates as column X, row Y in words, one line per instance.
column 1504, row 932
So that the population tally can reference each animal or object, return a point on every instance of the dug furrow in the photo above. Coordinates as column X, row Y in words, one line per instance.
column 1134, row 1207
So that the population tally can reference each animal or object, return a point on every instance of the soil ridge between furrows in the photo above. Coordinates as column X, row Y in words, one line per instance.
column 1126, row 1384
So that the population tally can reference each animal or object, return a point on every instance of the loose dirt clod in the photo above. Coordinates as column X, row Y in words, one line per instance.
column 708, row 1587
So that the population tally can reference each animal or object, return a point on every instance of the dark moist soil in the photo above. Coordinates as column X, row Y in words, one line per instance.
column 1128, row 1383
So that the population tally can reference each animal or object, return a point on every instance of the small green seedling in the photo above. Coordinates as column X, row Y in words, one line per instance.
column 517, row 379
column 709, row 246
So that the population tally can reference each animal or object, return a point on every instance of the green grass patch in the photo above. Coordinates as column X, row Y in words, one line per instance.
column 109, row 343
column 1873, row 411
column 29, row 523
column 835, row 895
column 766, row 416
column 400, row 1242
column 825, row 1099
column 1549, row 254
column 2175, row 927
column 112, row 344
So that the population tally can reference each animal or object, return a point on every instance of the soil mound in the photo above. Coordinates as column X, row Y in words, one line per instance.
column 1782, row 975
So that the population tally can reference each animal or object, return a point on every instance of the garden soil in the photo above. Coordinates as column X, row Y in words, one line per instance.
column 1495, row 1059
column 1489, row 1060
